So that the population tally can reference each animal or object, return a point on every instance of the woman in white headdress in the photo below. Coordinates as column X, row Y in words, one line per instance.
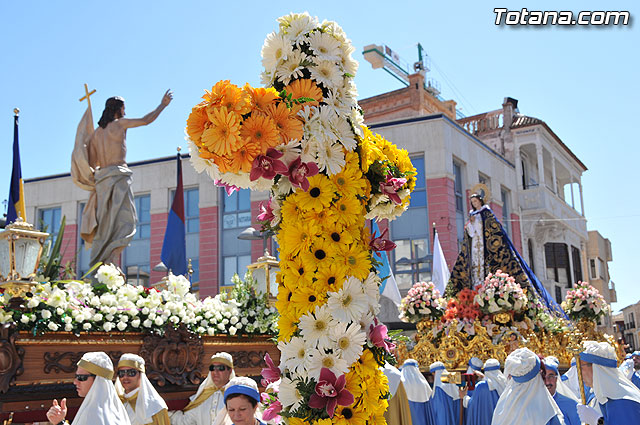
column 525, row 400
column 419, row 394
column 446, row 398
column 141, row 400
column 101, row 404
column 486, row 394
column 618, row 399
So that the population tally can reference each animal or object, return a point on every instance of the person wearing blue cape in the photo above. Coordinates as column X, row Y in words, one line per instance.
column 474, row 365
column 563, row 396
column 419, row 394
column 485, row 397
column 635, row 377
column 525, row 400
column 617, row 398
column 486, row 248
column 446, row 398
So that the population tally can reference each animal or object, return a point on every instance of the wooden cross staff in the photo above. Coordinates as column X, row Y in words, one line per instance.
column 87, row 94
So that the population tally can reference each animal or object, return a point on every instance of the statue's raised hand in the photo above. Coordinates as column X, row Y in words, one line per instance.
column 166, row 99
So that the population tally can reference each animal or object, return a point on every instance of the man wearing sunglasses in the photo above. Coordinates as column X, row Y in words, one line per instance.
column 143, row 403
column 101, row 405
column 208, row 401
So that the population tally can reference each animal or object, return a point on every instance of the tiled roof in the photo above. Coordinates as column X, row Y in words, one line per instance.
column 523, row 121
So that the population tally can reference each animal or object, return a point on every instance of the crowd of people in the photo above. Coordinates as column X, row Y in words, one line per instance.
column 221, row 399
column 530, row 391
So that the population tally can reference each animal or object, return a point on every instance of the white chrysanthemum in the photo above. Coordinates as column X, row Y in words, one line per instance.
column 292, row 67
column 372, row 287
column 276, row 48
column 297, row 25
column 295, row 355
column 315, row 327
column 327, row 73
column 289, row 395
column 324, row 46
column 290, row 151
column 309, row 150
column 344, row 133
column 241, row 180
column 348, row 340
column 349, row 65
column 330, row 158
column 349, row 303
column 331, row 361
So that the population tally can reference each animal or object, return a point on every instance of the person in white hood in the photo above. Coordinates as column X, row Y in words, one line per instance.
column 101, row 405
column 143, row 403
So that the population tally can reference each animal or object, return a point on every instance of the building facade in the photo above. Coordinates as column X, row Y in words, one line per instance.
column 631, row 326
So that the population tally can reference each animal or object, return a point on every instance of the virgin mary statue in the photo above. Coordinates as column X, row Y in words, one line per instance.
column 486, row 248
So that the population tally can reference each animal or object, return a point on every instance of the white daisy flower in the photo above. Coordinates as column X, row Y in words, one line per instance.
column 315, row 326
column 283, row 187
column 349, row 303
column 327, row 73
column 336, row 30
column 324, row 46
column 276, row 48
column 365, row 321
column 344, row 133
column 357, row 121
column 297, row 25
column 292, row 67
column 333, row 362
column 330, row 158
column 289, row 395
column 275, row 207
column 310, row 149
column 290, row 151
column 349, row 65
column 349, row 340
column 295, row 355
column 236, row 179
column 372, row 287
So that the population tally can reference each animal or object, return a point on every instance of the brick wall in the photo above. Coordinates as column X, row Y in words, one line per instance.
column 158, row 228
column 516, row 236
column 442, row 211
column 208, row 251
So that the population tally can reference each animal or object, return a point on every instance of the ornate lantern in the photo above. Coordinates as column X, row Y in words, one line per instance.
column 264, row 272
column 20, row 250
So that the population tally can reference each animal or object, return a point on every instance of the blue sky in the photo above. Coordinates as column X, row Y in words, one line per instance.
column 582, row 81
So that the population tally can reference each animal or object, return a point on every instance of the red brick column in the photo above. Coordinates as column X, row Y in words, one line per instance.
column 209, row 251
column 69, row 246
column 497, row 211
column 442, row 211
column 516, row 236
column 158, row 228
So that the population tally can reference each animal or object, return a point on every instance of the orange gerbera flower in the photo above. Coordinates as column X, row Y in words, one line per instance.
column 224, row 162
column 305, row 87
column 224, row 132
column 213, row 97
column 261, row 97
column 289, row 127
column 261, row 130
column 243, row 157
column 235, row 99
column 197, row 121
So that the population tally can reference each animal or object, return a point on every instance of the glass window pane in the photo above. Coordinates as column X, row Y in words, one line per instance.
column 230, row 221
column 192, row 200
column 145, row 231
column 418, row 163
column 195, row 265
column 193, row 225
column 418, row 199
column 244, row 200
column 244, row 219
column 230, row 201
column 230, row 268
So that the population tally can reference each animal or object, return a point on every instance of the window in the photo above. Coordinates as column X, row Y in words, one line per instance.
column 524, row 174
column 49, row 221
column 557, row 259
column 558, row 294
column 506, row 211
column 592, row 268
column 460, row 208
column 410, row 260
column 530, row 249
column 577, row 264
column 236, row 216
column 482, row 178
column 601, row 271
column 136, row 257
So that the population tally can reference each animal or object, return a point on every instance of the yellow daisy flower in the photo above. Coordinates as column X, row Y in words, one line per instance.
column 321, row 251
column 347, row 209
column 319, row 196
column 286, row 325
column 358, row 261
column 298, row 237
column 330, row 275
column 350, row 416
column 347, row 183
column 290, row 210
column 307, row 298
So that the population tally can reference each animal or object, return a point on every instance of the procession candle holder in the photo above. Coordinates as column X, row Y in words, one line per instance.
column 20, row 251
column 575, row 346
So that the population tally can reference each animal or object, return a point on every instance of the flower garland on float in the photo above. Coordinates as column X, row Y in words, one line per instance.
column 584, row 302
column 327, row 174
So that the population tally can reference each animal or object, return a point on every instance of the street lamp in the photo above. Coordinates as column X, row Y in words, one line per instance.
column 20, row 251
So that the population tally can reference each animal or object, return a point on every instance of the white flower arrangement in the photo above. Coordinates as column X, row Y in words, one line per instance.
column 500, row 293
column 116, row 306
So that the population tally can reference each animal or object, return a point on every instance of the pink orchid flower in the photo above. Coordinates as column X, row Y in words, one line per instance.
column 379, row 243
column 299, row 171
column 266, row 212
column 379, row 336
column 270, row 373
column 330, row 392
column 271, row 412
column 267, row 166
column 391, row 186
column 229, row 188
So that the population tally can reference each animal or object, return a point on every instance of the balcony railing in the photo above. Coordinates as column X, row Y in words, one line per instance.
column 484, row 122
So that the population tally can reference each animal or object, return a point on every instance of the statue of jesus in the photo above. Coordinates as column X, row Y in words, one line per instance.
column 109, row 220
